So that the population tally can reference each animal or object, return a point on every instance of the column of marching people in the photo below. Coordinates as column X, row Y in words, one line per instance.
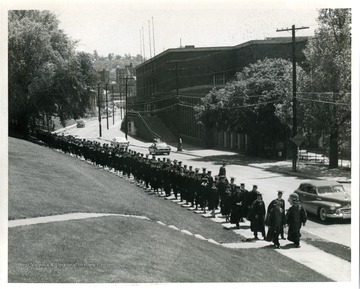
column 193, row 188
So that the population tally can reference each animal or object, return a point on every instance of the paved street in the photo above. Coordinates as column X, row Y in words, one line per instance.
column 269, row 182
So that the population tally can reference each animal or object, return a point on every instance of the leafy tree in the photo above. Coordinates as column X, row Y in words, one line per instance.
column 327, row 93
column 46, row 77
column 250, row 103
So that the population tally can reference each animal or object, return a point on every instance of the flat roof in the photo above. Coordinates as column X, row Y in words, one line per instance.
column 187, row 48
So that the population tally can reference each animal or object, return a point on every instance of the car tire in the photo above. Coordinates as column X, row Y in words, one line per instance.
column 322, row 214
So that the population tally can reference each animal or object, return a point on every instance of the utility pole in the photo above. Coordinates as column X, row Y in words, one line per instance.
column 99, row 109
column 107, row 106
column 177, row 79
column 113, row 103
column 126, row 102
column 295, row 154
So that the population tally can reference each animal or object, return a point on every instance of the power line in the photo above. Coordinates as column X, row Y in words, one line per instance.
column 323, row 101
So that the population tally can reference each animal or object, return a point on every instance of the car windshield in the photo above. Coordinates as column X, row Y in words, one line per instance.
column 338, row 189
column 324, row 190
column 331, row 189
column 161, row 145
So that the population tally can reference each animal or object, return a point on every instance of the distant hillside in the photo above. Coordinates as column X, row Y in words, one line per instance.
column 113, row 61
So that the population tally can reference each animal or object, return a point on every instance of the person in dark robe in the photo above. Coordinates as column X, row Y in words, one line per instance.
column 257, row 216
column 244, row 192
column 222, row 170
column 213, row 198
column 275, row 221
column 295, row 218
column 281, row 201
column 250, row 198
column 226, row 203
column 237, row 202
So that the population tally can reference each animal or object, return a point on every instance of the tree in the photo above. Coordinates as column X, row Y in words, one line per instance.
column 46, row 77
column 327, row 93
column 250, row 104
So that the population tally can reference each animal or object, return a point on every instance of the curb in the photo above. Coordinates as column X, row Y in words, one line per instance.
column 296, row 174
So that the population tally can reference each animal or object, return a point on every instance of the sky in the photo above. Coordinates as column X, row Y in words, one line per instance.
column 115, row 26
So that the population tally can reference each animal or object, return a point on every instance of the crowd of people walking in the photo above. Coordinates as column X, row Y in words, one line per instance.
column 198, row 189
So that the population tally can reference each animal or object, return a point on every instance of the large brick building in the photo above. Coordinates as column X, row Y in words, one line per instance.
column 172, row 82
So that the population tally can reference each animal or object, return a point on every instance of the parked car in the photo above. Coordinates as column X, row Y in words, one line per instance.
column 159, row 148
column 327, row 199
column 120, row 141
column 80, row 123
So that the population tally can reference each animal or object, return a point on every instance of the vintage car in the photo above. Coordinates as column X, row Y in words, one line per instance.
column 159, row 148
column 80, row 123
column 120, row 141
column 327, row 199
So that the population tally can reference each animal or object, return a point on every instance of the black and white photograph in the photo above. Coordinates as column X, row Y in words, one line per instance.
column 176, row 143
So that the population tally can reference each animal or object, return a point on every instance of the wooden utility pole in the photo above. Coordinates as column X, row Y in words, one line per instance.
column 293, row 29
column 99, row 106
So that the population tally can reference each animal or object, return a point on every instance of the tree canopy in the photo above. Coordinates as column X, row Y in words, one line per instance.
column 254, row 103
column 46, row 75
column 327, row 91
column 259, row 101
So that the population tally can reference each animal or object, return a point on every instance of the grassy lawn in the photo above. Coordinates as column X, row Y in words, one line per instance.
column 116, row 249
column 44, row 182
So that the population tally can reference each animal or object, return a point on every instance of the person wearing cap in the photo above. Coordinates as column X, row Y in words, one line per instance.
column 275, row 221
column 232, row 185
column 295, row 218
column 281, row 201
column 197, row 188
column 250, row 198
column 237, row 202
column 222, row 170
column 243, row 192
column 203, row 193
column 213, row 195
column 257, row 216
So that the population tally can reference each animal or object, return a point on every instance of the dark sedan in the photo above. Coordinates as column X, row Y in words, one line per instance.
column 327, row 199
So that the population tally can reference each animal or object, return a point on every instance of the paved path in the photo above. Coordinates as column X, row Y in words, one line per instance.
column 336, row 268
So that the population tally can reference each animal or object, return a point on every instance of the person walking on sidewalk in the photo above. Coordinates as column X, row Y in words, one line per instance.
column 275, row 221
column 213, row 198
column 222, row 170
column 236, row 207
column 250, row 198
column 257, row 216
column 281, row 202
column 295, row 218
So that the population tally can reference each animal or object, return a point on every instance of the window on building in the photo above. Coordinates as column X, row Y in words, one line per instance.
column 219, row 78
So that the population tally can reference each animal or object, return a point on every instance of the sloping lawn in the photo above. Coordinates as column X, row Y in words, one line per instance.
column 118, row 249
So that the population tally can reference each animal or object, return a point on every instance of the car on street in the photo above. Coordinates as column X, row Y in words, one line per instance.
column 327, row 199
column 80, row 123
column 159, row 148
column 120, row 141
